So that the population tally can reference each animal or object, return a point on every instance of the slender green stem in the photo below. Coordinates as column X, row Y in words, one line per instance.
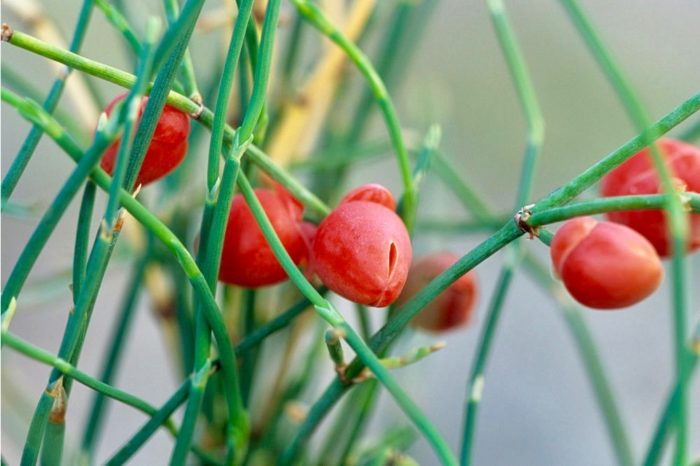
column 194, row 404
column 20, row 84
column 114, row 353
column 608, row 204
column 476, row 378
column 558, row 197
column 666, row 423
column 32, row 140
column 366, row 400
column 217, row 210
column 677, row 219
column 172, row 11
column 594, row 173
column 258, row 335
column 381, row 340
column 157, row 419
column 341, row 155
column 50, row 219
column 121, row 24
column 591, row 360
column 526, row 94
column 249, row 358
column 280, row 175
column 328, row 313
column 68, row 369
column 159, row 230
column 82, row 237
column 318, row 19
column 262, row 70
column 225, row 87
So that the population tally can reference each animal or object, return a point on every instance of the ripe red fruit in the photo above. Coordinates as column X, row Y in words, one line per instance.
column 605, row 265
column 167, row 149
column 638, row 176
column 362, row 251
column 450, row 309
column 372, row 193
column 247, row 259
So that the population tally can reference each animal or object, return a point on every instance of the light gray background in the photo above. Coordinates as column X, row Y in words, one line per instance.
column 538, row 407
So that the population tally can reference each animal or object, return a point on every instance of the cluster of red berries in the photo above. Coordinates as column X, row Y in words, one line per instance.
column 614, row 264
column 363, row 252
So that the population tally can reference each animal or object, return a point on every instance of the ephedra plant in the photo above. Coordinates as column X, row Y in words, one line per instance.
column 191, row 174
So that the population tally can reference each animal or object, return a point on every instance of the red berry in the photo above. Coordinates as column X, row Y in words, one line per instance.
column 605, row 265
column 167, row 149
column 362, row 251
column 450, row 309
column 638, row 176
column 372, row 193
column 247, row 259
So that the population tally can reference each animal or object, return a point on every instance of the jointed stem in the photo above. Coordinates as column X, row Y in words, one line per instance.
column 677, row 220
column 30, row 143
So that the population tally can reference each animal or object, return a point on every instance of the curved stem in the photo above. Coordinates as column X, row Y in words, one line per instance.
column 677, row 220
column 316, row 17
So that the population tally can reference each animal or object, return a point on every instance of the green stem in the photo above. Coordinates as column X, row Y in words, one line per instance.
column 476, row 378
column 82, row 237
column 70, row 370
column 32, row 140
column 382, row 339
column 677, row 219
column 258, row 335
column 366, row 400
column 329, row 314
column 159, row 230
column 303, row 195
column 666, row 421
column 317, row 18
column 194, row 404
column 225, row 86
column 591, row 360
column 53, row 214
column 95, row 418
column 172, row 11
column 20, row 84
column 248, row 357
column 157, row 419
column 120, row 23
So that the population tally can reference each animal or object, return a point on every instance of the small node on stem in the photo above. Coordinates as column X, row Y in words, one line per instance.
column 335, row 350
column 105, row 231
column 521, row 218
column 200, row 109
column 120, row 221
column 6, row 32
column 9, row 314
column 60, row 402
column 477, row 389
column 196, row 97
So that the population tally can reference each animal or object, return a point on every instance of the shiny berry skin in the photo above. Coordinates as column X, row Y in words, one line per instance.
column 371, row 193
column 450, row 309
column 247, row 260
column 166, row 150
column 638, row 176
column 362, row 252
column 605, row 265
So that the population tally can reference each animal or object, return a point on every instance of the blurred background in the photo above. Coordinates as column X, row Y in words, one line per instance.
column 538, row 407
